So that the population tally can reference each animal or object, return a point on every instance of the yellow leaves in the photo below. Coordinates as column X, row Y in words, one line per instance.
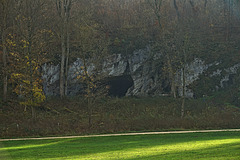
column 37, row 98
column 26, row 81
column 18, row 17
column 21, row 17
column 211, row 25
column 32, row 93
column 38, row 95
column 46, row 31
column 16, row 76
column 13, row 54
column 10, row 43
column 10, row 35
column 43, row 31
column 24, row 43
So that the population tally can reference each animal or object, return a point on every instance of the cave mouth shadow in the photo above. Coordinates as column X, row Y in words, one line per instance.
column 118, row 86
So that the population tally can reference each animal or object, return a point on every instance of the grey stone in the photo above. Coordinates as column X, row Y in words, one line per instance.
column 143, row 70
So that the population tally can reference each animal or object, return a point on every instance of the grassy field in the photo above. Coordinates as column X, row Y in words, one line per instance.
column 220, row 145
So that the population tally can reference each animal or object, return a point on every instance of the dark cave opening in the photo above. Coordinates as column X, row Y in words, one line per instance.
column 118, row 86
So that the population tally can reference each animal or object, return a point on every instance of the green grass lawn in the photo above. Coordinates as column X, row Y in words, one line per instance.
column 219, row 145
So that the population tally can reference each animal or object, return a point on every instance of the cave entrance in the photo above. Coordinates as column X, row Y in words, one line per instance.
column 118, row 86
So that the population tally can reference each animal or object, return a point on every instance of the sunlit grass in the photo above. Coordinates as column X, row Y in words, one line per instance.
column 221, row 145
column 160, row 150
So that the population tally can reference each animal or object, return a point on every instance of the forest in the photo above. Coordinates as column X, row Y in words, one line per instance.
column 175, row 33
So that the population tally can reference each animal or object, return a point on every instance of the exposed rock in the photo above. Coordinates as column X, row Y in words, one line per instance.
column 144, row 73
column 197, row 68
column 50, row 76
column 142, row 76
column 115, row 65
column 216, row 73
column 192, row 72
column 136, row 75
column 229, row 71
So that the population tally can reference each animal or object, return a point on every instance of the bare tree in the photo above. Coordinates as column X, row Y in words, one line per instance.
column 156, row 5
column 176, row 8
column 5, row 7
column 63, row 9
column 91, row 45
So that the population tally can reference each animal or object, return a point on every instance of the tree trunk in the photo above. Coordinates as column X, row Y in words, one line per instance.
column 31, row 67
column 173, row 89
column 63, row 8
column 33, row 113
column 176, row 8
column 5, row 78
column 67, row 61
column 172, row 78
column 205, row 4
column 61, row 78
column 89, row 104
column 89, row 109
column 184, row 79
column 4, row 56
column 183, row 92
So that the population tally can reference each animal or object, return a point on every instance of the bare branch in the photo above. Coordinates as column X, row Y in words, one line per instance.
column 176, row 8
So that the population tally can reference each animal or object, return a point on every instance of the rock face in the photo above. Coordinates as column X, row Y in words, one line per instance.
column 50, row 76
column 137, row 75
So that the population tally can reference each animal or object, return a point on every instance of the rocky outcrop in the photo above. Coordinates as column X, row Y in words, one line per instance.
column 137, row 75
column 50, row 76
column 137, row 72
column 198, row 68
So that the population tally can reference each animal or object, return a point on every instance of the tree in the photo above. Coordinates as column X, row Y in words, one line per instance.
column 6, row 16
column 63, row 9
column 165, row 41
column 28, row 49
column 90, row 45
column 176, row 37
column 156, row 5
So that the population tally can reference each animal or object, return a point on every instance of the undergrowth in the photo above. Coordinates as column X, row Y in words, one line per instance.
column 112, row 115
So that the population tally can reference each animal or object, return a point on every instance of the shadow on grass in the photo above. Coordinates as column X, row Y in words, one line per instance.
column 100, row 146
column 4, row 154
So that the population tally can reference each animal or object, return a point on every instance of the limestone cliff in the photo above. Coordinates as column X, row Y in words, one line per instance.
column 139, row 74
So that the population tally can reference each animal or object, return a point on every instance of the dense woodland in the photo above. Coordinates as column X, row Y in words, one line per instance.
column 35, row 32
